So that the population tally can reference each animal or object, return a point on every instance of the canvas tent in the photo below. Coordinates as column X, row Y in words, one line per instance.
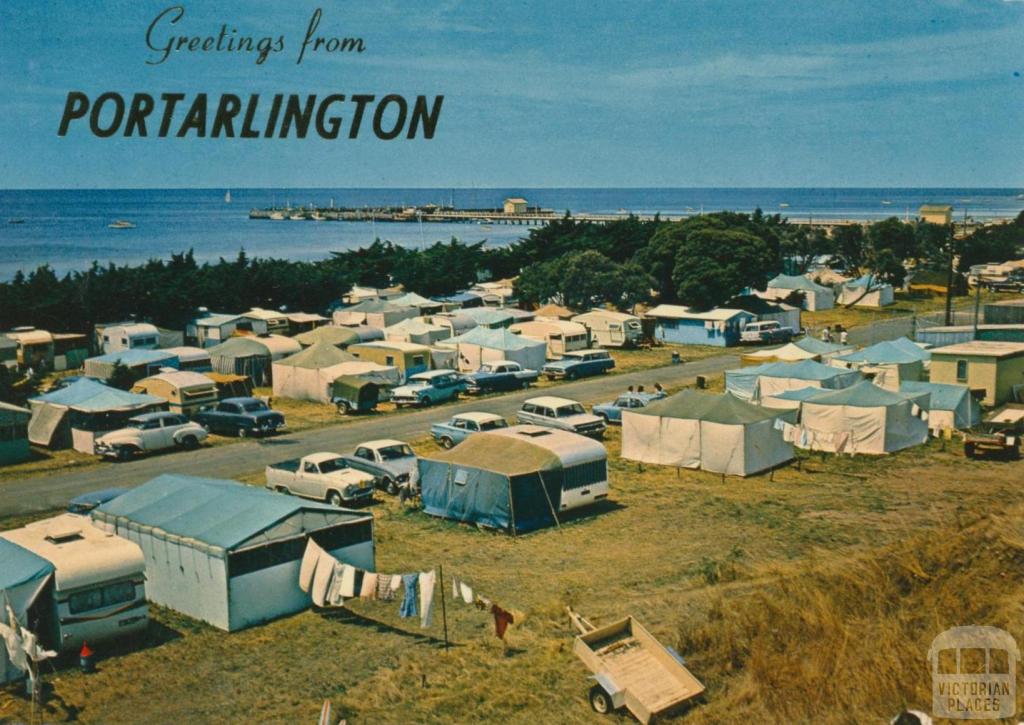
column 753, row 383
column 488, row 316
column 226, row 553
column 806, row 348
column 340, row 337
column 242, row 356
column 416, row 330
column 717, row 433
column 789, row 399
column 866, row 291
column 308, row 375
column 510, row 479
column 374, row 313
column 74, row 416
column 23, row 578
column 424, row 305
column 279, row 346
column 890, row 362
column 481, row 345
column 951, row 407
column 816, row 296
column 863, row 418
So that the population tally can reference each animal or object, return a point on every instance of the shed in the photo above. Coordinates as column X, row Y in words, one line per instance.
column 936, row 213
column 866, row 291
column 416, row 330
column 185, row 391
column 610, row 328
column 559, row 336
column 408, row 357
column 229, row 554
column 191, row 358
column 515, row 205
column 24, row 577
column 889, row 362
column 374, row 313
column 863, row 418
column 720, row 327
column 308, row 375
column 13, row 434
column 717, row 433
column 481, row 345
column 815, row 296
column 141, row 362
column 754, row 383
column 992, row 366
column 243, row 356
column 951, row 407
column 512, row 479
column 74, row 416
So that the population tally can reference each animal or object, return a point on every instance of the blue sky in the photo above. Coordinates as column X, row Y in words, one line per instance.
column 539, row 93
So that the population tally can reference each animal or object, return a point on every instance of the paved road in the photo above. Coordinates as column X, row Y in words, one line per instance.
column 42, row 493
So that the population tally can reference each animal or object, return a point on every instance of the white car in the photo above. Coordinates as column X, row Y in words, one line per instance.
column 550, row 411
column 150, row 432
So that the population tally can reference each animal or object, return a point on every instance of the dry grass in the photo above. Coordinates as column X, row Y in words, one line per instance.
column 754, row 578
column 905, row 305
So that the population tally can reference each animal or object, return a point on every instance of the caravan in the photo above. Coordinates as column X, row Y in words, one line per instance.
column 611, row 329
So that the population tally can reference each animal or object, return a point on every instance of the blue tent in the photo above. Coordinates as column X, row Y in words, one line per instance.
column 23, row 576
column 952, row 406
column 888, row 352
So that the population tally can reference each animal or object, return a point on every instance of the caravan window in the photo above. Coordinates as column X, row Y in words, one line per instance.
column 418, row 360
column 100, row 597
column 389, row 360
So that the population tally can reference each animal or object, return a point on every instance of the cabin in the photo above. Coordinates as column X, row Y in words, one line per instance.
column 995, row 367
column 720, row 327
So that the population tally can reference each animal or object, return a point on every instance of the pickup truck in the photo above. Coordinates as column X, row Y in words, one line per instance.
column 148, row 433
column 553, row 412
column 393, row 464
column 500, row 375
column 612, row 411
column 240, row 417
column 433, row 386
column 463, row 425
column 1000, row 433
column 579, row 364
column 765, row 332
column 322, row 477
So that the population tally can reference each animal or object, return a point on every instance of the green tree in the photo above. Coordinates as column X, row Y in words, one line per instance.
column 121, row 377
column 583, row 279
column 713, row 265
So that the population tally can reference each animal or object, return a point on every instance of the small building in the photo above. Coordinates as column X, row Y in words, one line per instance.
column 14, row 446
column 936, row 213
column 141, row 362
column 229, row 554
column 515, row 205
column 992, row 366
column 408, row 357
column 720, row 327
column 481, row 345
column 195, row 359
column 815, row 296
column 514, row 479
column 559, row 336
column 73, row 417
column 866, row 291
column 374, row 313
column 130, row 336
column 340, row 337
column 186, row 392
column 8, row 352
column 98, row 590
column 610, row 328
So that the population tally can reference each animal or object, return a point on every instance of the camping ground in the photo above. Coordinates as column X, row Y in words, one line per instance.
column 803, row 596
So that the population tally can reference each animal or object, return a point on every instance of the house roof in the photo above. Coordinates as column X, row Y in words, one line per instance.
column 982, row 348
column 91, row 396
column 216, row 512
column 680, row 312
column 692, row 405
column 317, row 356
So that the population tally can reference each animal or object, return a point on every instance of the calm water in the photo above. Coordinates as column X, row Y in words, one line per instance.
column 68, row 229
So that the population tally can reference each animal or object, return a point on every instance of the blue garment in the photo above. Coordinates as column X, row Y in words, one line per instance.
column 408, row 608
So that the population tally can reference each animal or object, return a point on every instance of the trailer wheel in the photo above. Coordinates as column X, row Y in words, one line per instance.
column 600, row 700
column 969, row 450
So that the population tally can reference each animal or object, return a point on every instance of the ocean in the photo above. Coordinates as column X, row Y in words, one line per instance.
column 67, row 229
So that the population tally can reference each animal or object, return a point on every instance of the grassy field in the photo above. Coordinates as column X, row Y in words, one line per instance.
column 905, row 305
column 806, row 596
column 305, row 415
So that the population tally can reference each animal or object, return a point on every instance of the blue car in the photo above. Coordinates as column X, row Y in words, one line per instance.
column 463, row 425
column 612, row 412
column 579, row 364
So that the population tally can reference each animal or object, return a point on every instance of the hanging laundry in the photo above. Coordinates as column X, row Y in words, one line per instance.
column 467, row 593
column 456, row 590
column 841, row 442
column 369, row 588
column 426, row 583
column 779, row 424
column 334, row 597
column 309, row 559
column 348, row 581
column 501, row 620
column 483, row 603
column 408, row 608
column 322, row 578
column 384, row 591
column 915, row 409
column 396, row 583
column 805, row 438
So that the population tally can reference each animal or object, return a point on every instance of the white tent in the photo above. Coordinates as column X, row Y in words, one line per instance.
column 308, row 375
column 890, row 362
column 952, row 407
column 816, row 296
column 753, row 383
column 482, row 344
column 718, row 433
column 866, row 291
column 863, row 418
column 23, row 577
column 806, row 348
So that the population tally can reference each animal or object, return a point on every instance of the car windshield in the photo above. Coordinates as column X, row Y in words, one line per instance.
column 134, row 423
column 333, row 464
column 392, row 453
column 486, row 369
column 418, row 383
column 493, row 424
column 567, row 410
column 255, row 406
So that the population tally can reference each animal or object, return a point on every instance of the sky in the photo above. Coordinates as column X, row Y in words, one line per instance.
column 723, row 93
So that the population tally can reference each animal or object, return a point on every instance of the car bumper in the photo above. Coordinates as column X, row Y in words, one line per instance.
column 554, row 374
column 106, row 451
column 592, row 431
column 406, row 400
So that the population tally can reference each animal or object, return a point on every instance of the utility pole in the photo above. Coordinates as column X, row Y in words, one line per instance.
column 949, row 276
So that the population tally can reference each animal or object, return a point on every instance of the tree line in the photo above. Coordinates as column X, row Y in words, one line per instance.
column 702, row 261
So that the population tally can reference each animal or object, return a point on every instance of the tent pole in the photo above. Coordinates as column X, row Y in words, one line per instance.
column 511, row 508
column 444, row 608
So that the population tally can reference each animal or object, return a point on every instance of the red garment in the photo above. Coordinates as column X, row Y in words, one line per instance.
column 501, row 620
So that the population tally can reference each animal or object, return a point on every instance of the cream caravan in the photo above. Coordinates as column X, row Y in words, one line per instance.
column 561, row 337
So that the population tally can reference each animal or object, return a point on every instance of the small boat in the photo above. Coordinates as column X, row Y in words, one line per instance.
column 317, row 217
column 784, row 205
column 276, row 216
column 296, row 217
column 15, row 221
column 1020, row 196
column 227, row 197
column 120, row 224
column 886, row 202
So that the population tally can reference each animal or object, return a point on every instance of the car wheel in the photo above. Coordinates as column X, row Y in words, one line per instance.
column 426, row 400
column 390, row 485
column 124, row 453
column 447, row 443
column 189, row 443
column 334, row 498
column 343, row 407
column 969, row 450
column 600, row 700
column 242, row 432
column 570, row 375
